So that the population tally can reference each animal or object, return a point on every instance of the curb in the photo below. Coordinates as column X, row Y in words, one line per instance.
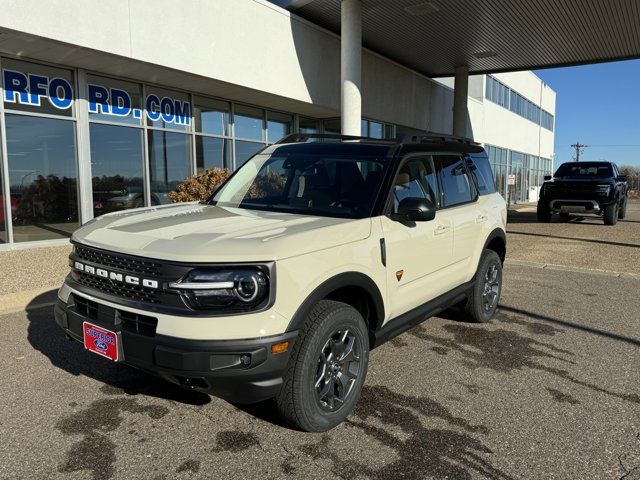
column 564, row 268
column 20, row 301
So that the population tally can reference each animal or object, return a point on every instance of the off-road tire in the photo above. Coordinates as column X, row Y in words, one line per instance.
column 297, row 400
column 623, row 209
column 475, row 308
column 543, row 213
column 611, row 214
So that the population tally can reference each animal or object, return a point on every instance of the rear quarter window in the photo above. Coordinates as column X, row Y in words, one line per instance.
column 481, row 170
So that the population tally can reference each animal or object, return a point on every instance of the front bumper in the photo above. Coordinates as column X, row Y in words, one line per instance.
column 577, row 204
column 241, row 371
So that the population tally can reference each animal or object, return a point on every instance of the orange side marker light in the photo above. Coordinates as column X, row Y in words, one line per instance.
column 278, row 348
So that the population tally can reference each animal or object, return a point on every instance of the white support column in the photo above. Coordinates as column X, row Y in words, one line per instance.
column 460, row 95
column 351, row 66
column 85, row 194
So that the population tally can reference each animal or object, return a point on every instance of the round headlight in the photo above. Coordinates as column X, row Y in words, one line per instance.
column 231, row 289
column 249, row 285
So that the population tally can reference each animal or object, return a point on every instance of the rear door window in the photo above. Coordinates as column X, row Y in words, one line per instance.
column 481, row 169
column 455, row 184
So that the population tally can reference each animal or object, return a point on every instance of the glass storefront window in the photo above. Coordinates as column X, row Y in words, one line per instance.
column 389, row 131
column 308, row 125
column 42, row 177
column 116, row 168
column 248, row 122
column 211, row 116
column 246, row 150
column 114, row 100
column 168, row 109
column 279, row 125
column 375, row 130
column 212, row 152
column 30, row 87
column 332, row 126
column 169, row 162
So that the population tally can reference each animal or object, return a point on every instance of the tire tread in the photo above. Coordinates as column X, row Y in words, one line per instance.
column 286, row 398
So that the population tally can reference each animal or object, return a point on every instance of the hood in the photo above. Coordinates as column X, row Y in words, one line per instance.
column 205, row 233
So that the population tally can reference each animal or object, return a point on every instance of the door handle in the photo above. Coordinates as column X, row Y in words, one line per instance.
column 440, row 229
column 481, row 218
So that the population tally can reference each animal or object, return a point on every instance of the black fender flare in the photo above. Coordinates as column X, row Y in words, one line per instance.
column 496, row 233
column 346, row 279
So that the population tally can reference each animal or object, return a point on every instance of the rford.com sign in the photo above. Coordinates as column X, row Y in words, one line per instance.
column 32, row 89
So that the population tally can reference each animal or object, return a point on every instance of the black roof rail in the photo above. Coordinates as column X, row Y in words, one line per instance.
column 305, row 137
column 427, row 137
column 433, row 137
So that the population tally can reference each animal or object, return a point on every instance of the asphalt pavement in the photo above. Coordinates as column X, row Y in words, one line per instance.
column 549, row 389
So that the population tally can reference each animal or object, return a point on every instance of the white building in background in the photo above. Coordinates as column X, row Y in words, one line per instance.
column 110, row 105
column 513, row 116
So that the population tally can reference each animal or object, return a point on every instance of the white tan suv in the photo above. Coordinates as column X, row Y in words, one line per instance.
column 279, row 285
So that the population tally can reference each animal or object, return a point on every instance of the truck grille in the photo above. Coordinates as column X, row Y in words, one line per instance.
column 131, row 292
column 118, row 262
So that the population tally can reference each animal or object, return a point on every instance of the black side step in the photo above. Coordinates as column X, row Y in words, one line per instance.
column 414, row 317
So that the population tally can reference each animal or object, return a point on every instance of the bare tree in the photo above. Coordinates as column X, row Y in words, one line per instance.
column 633, row 178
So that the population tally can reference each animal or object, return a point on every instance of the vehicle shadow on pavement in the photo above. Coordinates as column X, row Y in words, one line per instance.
column 48, row 338
column 516, row 217
column 505, row 351
column 405, row 424
column 576, row 239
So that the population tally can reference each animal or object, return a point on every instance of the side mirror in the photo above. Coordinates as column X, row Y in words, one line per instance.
column 622, row 178
column 547, row 178
column 415, row 209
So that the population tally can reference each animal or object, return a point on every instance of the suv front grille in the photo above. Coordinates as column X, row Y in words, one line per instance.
column 130, row 292
column 118, row 262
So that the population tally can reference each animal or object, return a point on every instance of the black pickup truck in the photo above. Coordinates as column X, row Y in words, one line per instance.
column 584, row 187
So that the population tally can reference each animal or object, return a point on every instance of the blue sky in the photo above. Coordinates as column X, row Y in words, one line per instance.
column 597, row 105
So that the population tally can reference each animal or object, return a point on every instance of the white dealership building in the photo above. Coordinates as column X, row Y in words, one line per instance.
column 109, row 105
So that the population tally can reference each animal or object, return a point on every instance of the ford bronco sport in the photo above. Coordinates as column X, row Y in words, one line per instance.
column 584, row 187
column 308, row 256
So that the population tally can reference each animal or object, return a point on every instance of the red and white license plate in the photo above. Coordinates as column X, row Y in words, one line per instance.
column 100, row 341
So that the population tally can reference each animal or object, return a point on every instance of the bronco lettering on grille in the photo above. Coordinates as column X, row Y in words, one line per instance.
column 116, row 277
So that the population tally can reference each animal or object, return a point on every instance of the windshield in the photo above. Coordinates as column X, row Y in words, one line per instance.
column 585, row 169
column 307, row 184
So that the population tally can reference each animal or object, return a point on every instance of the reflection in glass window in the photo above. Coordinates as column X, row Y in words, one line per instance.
column 332, row 126
column 169, row 162
column 168, row 109
column 308, row 125
column 279, row 125
column 389, row 131
column 481, row 168
column 116, row 168
column 246, row 150
column 375, row 130
column 42, row 177
column 212, row 152
column 364, row 128
column 248, row 122
column 30, row 87
column 211, row 116
column 456, row 184
column 114, row 100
